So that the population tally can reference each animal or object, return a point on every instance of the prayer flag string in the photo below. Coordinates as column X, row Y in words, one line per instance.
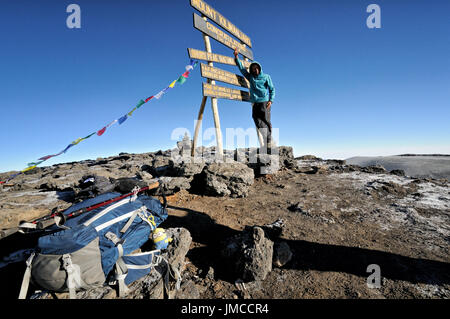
column 120, row 120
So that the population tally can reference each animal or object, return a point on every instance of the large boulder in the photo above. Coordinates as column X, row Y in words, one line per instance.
column 160, row 166
column 226, row 179
column 265, row 164
column 172, row 185
column 250, row 253
column 286, row 154
column 186, row 167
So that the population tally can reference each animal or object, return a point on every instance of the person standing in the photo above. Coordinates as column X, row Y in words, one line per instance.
column 262, row 93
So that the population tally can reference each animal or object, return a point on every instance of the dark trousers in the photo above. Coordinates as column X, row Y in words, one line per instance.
column 261, row 116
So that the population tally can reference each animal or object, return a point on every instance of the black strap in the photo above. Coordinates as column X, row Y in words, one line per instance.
column 161, row 188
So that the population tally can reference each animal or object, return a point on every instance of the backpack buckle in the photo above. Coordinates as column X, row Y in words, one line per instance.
column 114, row 238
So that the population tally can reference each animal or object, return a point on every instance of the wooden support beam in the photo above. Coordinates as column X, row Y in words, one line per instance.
column 214, row 107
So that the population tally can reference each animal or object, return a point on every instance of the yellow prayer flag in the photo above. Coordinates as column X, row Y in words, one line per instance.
column 28, row 168
column 172, row 84
column 131, row 112
column 78, row 140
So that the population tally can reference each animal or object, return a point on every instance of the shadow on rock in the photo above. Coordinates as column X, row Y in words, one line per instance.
column 205, row 231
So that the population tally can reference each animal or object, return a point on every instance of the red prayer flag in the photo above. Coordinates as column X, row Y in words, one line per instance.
column 186, row 74
column 99, row 133
column 45, row 157
column 148, row 99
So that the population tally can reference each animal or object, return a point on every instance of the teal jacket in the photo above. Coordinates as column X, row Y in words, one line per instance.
column 261, row 86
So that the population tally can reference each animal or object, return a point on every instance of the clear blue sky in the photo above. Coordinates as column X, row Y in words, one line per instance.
column 342, row 89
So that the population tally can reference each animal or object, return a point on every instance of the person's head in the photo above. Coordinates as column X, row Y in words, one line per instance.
column 255, row 69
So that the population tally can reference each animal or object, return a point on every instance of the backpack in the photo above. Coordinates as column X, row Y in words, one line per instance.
column 95, row 248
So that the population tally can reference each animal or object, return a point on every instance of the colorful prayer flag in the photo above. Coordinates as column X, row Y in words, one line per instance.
column 122, row 119
column 140, row 103
column 28, row 168
column 44, row 158
column 113, row 122
column 88, row 136
column 68, row 146
column 78, row 140
column 34, row 163
column 100, row 132
column 181, row 79
column 158, row 96
column 131, row 112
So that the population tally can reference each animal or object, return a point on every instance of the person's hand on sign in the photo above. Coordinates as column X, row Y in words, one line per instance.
column 235, row 53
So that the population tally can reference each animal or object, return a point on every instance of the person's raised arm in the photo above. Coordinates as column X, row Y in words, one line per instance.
column 271, row 89
column 240, row 66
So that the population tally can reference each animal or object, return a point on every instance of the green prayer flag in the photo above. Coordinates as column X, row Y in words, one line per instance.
column 89, row 135
column 181, row 79
column 34, row 163
column 140, row 103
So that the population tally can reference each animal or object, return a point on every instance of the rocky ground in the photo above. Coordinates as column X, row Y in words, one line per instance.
column 308, row 228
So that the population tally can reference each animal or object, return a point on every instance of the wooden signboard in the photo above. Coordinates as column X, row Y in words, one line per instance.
column 225, row 93
column 223, row 76
column 215, row 16
column 217, row 34
column 214, row 57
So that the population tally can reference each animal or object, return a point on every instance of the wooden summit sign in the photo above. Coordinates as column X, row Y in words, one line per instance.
column 214, row 57
column 225, row 93
column 220, row 20
column 223, row 76
column 212, row 74
column 215, row 33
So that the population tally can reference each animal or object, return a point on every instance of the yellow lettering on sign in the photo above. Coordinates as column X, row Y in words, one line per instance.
column 217, row 17
column 223, row 92
column 213, row 57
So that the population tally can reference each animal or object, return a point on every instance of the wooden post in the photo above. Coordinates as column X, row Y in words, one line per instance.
column 213, row 106
column 214, row 100
column 197, row 125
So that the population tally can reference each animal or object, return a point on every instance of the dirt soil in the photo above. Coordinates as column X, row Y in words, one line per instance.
column 345, row 222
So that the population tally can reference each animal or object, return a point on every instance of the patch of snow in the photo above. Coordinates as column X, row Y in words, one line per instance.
column 433, row 291
column 360, row 179
column 433, row 196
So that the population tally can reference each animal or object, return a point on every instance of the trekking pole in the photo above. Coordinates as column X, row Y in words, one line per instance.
column 44, row 222
column 6, row 232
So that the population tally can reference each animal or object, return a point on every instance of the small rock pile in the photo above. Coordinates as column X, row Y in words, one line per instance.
column 254, row 251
